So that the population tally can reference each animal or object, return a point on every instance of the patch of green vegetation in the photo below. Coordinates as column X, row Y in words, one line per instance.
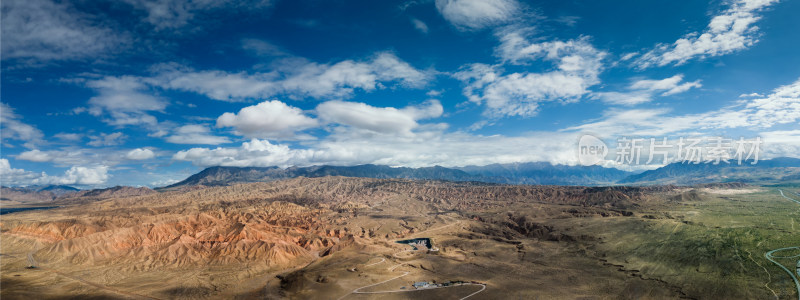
column 712, row 247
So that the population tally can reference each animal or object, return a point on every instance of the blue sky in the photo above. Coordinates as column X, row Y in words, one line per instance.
column 147, row 92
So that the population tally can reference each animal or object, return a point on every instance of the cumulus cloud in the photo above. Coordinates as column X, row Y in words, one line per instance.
column 195, row 134
column 268, row 119
column 578, row 65
column 43, row 30
column 107, row 139
column 730, row 31
column 140, row 154
column 378, row 119
column 127, row 100
column 477, row 14
column 644, row 90
column 14, row 129
column 80, row 175
column 11, row 176
column 432, row 145
column 428, row 149
column 35, row 155
column 305, row 80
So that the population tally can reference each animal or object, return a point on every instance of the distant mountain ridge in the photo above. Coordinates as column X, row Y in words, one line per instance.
column 112, row 192
column 522, row 173
column 532, row 173
column 776, row 169
column 60, row 193
column 34, row 193
column 546, row 173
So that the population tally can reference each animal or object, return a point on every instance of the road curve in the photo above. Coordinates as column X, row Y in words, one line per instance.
column 769, row 255
column 784, row 196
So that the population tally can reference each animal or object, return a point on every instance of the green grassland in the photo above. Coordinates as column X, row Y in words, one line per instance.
column 708, row 245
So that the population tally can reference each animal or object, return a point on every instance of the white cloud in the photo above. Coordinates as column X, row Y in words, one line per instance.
column 570, row 21
column 576, row 55
column 419, row 25
column 780, row 107
column 70, row 137
column 61, row 157
column 628, row 56
column 298, row 80
column 83, row 175
column 781, row 143
column 42, row 30
column 219, row 85
column 624, row 98
column 478, row 14
column 195, row 134
column 262, row 48
column 11, row 176
column 14, row 129
column 94, row 175
column 670, row 86
column 426, row 149
column 390, row 136
column 432, row 145
column 126, row 99
column 173, row 14
column 730, row 31
column 140, row 154
column 268, row 119
column 107, row 139
column 644, row 90
column 73, row 156
column 578, row 66
column 35, row 155
column 378, row 119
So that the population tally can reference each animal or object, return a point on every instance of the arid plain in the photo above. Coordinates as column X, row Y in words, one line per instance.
column 336, row 238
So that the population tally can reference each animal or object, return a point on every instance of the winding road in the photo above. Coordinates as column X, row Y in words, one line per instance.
column 771, row 257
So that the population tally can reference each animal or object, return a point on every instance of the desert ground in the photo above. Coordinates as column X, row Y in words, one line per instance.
column 336, row 238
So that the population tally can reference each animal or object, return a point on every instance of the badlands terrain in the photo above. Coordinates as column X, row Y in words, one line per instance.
column 336, row 238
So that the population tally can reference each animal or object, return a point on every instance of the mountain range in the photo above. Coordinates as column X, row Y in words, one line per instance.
column 774, row 170
column 533, row 173
column 518, row 173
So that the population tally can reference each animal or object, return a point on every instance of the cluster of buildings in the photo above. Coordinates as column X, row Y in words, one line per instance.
column 428, row 285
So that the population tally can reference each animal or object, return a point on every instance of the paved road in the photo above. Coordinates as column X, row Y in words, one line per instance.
column 372, row 264
column 769, row 255
column 784, row 196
